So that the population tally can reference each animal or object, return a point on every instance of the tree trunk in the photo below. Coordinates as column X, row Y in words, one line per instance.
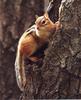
column 58, row 76
column 15, row 17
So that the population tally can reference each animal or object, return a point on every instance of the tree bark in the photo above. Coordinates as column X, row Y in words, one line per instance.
column 58, row 75
column 15, row 17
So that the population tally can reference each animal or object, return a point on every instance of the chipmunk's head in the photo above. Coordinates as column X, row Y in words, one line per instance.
column 43, row 23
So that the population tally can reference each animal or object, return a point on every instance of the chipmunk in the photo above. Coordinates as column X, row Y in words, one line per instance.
column 32, row 40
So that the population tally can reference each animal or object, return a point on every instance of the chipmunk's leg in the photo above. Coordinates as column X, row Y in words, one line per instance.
column 34, row 58
column 58, row 25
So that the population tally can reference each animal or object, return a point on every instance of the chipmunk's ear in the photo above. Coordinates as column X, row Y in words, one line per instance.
column 36, row 16
column 46, row 15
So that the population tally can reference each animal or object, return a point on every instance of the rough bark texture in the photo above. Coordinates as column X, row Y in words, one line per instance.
column 59, row 75
column 53, row 9
column 15, row 17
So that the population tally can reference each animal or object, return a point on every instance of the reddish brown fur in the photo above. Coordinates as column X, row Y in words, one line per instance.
column 30, row 42
column 28, row 46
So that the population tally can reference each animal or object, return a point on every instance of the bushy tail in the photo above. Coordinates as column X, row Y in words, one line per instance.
column 20, row 71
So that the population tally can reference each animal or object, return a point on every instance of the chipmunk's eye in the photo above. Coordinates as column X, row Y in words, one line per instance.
column 43, row 22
